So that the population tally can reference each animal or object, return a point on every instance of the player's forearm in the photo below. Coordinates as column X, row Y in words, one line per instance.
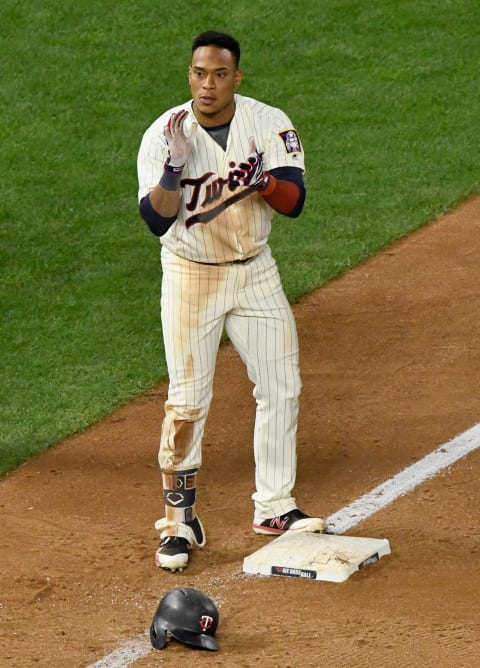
column 157, row 223
column 159, row 208
column 165, row 202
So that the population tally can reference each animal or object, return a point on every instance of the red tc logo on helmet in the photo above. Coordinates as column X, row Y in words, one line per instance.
column 206, row 622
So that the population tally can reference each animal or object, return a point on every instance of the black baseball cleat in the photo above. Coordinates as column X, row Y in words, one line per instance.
column 294, row 520
column 172, row 553
column 176, row 540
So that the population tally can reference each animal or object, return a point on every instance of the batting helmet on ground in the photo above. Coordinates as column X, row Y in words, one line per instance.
column 188, row 616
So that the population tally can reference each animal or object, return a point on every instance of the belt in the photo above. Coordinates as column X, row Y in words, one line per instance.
column 245, row 260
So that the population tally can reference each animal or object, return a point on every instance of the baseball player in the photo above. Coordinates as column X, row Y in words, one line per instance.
column 212, row 171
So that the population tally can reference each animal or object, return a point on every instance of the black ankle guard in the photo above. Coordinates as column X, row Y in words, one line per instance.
column 179, row 491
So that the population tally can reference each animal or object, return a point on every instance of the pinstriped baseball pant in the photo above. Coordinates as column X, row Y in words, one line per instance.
column 198, row 301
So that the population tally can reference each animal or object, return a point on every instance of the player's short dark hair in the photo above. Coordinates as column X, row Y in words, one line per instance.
column 220, row 40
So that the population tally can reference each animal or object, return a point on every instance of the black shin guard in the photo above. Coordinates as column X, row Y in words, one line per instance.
column 179, row 491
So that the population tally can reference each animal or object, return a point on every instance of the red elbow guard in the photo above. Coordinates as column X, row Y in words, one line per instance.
column 282, row 196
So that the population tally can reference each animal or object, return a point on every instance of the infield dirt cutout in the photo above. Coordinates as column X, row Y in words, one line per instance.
column 390, row 361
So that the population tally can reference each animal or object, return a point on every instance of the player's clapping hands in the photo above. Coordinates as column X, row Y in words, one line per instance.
column 252, row 171
column 180, row 139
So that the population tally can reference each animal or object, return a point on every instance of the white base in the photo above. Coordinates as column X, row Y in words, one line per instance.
column 315, row 556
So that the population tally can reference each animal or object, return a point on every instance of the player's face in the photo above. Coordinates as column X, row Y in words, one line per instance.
column 213, row 77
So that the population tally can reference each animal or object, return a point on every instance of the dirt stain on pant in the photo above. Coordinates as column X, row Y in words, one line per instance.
column 177, row 438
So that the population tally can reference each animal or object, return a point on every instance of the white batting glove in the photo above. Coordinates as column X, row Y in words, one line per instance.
column 180, row 140
column 254, row 173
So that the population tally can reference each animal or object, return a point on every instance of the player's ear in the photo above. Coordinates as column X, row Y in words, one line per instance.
column 238, row 78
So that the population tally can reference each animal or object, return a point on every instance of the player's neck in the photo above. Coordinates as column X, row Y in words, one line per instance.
column 214, row 120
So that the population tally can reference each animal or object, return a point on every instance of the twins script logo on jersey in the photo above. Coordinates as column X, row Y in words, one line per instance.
column 205, row 193
column 291, row 141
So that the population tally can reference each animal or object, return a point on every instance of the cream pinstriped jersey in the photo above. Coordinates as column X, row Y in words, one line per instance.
column 217, row 221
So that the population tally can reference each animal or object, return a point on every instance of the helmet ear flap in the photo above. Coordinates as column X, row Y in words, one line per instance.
column 158, row 636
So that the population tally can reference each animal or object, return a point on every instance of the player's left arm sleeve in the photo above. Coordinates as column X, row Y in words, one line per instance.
column 285, row 191
column 157, row 223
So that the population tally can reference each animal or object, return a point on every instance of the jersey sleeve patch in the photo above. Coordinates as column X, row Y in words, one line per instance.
column 291, row 141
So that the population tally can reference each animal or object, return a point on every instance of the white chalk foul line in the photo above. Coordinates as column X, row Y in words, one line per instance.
column 405, row 481
column 124, row 656
column 347, row 517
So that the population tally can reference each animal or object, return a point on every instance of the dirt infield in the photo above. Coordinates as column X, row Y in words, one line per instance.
column 390, row 360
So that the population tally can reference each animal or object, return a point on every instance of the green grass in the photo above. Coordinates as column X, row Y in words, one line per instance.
column 385, row 96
